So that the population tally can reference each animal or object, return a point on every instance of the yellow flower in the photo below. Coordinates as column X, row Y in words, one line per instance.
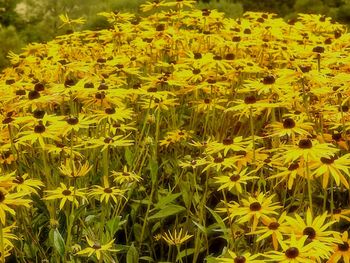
column 104, row 194
column 8, row 200
column 176, row 238
column 70, row 22
column 308, row 150
column 274, row 228
column 253, row 210
column 332, row 166
column 74, row 169
column 234, row 179
column 64, row 194
column 126, row 176
column 341, row 250
column 25, row 184
column 243, row 257
column 296, row 250
column 97, row 248
column 315, row 229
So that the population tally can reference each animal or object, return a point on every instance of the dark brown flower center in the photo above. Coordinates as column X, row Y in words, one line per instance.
column 38, row 114
column 108, row 140
column 305, row 69
column 239, row 259
column 230, row 56
column 33, row 94
column 152, row 89
column 196, row 71
column 273, row 225
column 103, row 86
column 343, row 247
column 236, row 39
column 18, row 180
column 325, row 160
column 310, row 232
column 197, row 55
column 235, row 178
column 7, row 120
column 288, row 123
column 292, row 252
column 69, row 82
column 256, row 206
column 20, row 92
column 318, row 49
column 218, row 160
column 107, row 190
column 227, row 141
column 250, row 99
column 100, row 95
column 305, row 144
column 293, row 166
column 89, row 85
column 40, row 128
column 336, row 136
column 344, row 108
column 72, row 120
column 268, row 80
column 110, row 111
column 206, row 101
column 39, row 87
column 96, row 246
column 66, row 192
column 2, row 196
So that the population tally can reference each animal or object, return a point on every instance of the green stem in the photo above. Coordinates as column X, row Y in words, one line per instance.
column 251, row 122
column 2, row 248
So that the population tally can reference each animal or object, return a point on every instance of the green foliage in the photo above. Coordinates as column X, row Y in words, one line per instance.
column 230, row 8
column 10, row 41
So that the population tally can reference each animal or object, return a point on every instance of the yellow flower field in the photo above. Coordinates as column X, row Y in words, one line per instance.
column 178, row 136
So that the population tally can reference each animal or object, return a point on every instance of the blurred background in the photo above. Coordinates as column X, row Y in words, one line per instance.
column 26, row 21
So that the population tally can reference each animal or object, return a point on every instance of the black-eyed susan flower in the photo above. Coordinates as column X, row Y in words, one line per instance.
column 9, row 200
column 234, row 179
column 245, row 257
column 22, row 183
column 253, row 210
column 334, row 167
column 106, row 194
column 295, row 250
column 341, row 250
column 64, row 194
column 97, row 248
column 316, row 229
column 274, row 228
column 125, row 176
column 176, row 238
column 308, row 150
column 74, row 169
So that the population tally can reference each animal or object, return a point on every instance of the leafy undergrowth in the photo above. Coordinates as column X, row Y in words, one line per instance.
column 181, row 136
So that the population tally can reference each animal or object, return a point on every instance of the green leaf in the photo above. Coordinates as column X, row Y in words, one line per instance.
column 153, row 168
column 58, row 242
column 128, row 156
column 167, row 211
column 184, row 253
column 201, row 228
column 219, row 220
column 132, row 256
column 113, row 225
column 137, row 228
column 146, row 258
column 163, row 201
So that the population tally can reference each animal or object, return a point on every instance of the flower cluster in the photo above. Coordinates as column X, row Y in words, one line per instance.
column 181, row 125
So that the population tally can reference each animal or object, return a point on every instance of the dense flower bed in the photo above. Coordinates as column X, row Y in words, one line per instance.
column 181, row 136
